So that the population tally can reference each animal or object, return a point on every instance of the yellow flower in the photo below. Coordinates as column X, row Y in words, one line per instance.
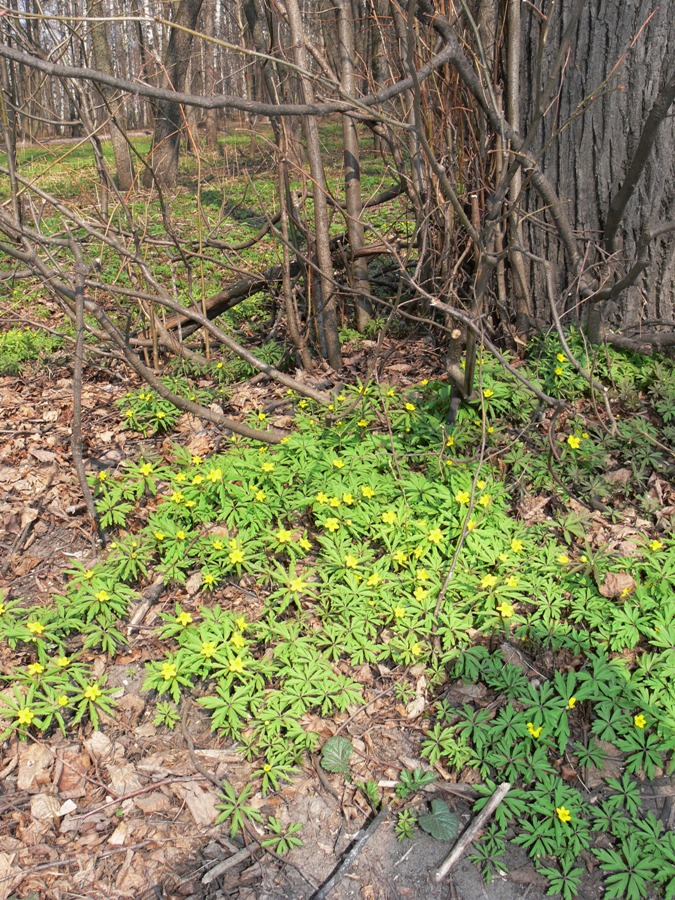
column 217, row 544
column 639, row 721
column 491, row 429
column 505, row 610
column 208, row 579
column 284, row 536
column 267, row 467
column 180, row 534
column 470, row 525
column 488, row 393
column 159, row 535
column 333, row 502
column 489, row 581
column 102, row 476
column 485, row 500
column 331, row 524
column 102, row 596
column 574, row 441
column 390, row 393
column 512, row 581
column 303, row 404
column 196, row 459
column 237, row 640
column 305, row 544
column 655, row 546
column 362, row 423
column 92, row 692
column 261, row 416
column 63, row 661
column 399, row 557
column 462, row 497
column 517, row 545
column 25, row 716
column 558, row 370
column 168, row 671
column 177, row 497
column 145, row 469
column 184, row 619
column 62, row 700
column 240, row 623
column 422, row 575
column 399, row 612
column 410, row 407
column 321, row 497
column 424, row 382
column 208, row 649
column 237, row 664
column 389, row 517
column 416, row 650
column 374, row 579
column 367, row 492
column 260, row 496
column 267, row 767
column 347, row 499
column 35, row 627
column 236, row 556
column 351, row 562
column 435, row 536
column 563, row 559
column 572, row 702
column 35, row 668
column 563, row 814
column 450, row 442
column 214, row 475
column 535, row 732
column 338, row 464
column 420, row 593
column 561, row 357
column 89, row 574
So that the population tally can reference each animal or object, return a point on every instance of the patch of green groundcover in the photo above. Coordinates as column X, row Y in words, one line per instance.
column 376, row 535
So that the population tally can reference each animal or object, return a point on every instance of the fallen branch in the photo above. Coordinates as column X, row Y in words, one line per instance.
column 472, row 831
column 349, row 859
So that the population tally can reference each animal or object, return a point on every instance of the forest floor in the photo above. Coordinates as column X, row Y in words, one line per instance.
column 129, row 810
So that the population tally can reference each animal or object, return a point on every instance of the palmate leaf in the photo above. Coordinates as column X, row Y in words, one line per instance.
column 440, row 823
column 335, row 755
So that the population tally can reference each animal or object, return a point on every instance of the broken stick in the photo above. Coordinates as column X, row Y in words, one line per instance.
column 458, row 850
column 348, row 860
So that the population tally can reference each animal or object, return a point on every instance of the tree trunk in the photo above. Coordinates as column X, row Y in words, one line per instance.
column 103, row 61
column 352, row 169
column 163, row 163
column 611, row 80
column 211, row 118
column 326, row 305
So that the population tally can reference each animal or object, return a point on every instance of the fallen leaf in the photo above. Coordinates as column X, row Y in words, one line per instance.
column 617, row 584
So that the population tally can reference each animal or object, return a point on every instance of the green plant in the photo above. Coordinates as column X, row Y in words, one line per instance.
column 282, row 839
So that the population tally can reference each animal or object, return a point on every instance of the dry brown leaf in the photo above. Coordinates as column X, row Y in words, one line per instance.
column 199, row 800
column 11, row 875
column 617, row 584
column 35, row 761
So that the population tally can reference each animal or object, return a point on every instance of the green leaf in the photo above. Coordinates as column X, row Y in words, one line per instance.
column 440, row 823
column 335, row 755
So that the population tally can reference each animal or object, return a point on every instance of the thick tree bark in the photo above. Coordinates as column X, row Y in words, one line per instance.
column 100, row 40
column 168, row 113
column 621, row 61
